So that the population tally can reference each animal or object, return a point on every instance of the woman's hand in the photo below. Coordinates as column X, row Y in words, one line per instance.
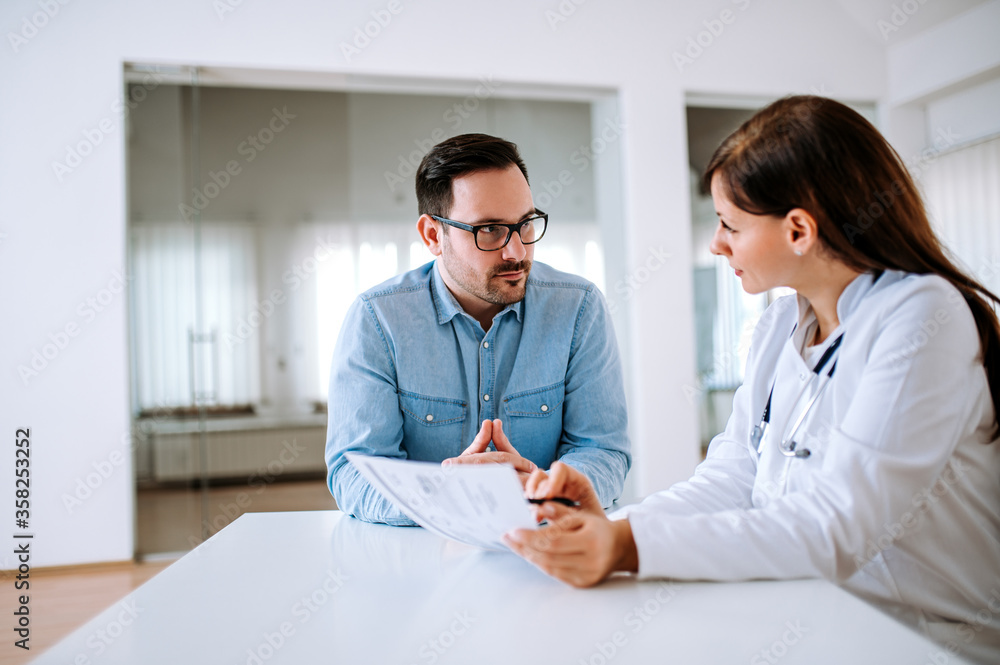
column 562, row 480
column 578, row 546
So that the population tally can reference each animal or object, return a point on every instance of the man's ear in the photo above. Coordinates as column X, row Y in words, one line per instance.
column 431, row 232
column 801, row 231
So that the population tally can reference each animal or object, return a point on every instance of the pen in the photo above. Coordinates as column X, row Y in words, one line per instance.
column 558, row 499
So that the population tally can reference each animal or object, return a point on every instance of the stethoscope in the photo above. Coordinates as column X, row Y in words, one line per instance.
column 787, row 446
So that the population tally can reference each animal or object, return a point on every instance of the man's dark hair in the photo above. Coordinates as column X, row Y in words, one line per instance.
column 456, row 157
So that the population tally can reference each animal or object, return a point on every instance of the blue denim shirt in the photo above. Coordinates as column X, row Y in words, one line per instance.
column 414, row 376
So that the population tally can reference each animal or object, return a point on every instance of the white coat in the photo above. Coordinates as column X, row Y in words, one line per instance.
column 899, row 501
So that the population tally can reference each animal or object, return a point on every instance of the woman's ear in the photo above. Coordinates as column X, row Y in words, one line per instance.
column 801, row 231
column 430, row 231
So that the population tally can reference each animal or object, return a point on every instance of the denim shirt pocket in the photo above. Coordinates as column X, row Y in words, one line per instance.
column 534, row 419
column 432, row 426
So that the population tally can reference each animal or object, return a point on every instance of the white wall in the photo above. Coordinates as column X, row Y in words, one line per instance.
column 943, row 86
column 972, row 113
column 64, row 239
column 942, row 103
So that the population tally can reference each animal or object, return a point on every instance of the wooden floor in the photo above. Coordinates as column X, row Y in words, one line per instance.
column 63, row 599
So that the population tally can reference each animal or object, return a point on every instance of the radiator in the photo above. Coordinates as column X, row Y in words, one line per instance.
column 239, row 453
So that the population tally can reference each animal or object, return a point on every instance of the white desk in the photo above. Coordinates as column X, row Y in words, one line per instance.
column 345, row 592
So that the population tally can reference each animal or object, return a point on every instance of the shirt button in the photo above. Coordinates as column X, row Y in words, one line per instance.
column 545, row 407
column 486, row 345
column 486, row 398
column 430, row 417
column 802, row 377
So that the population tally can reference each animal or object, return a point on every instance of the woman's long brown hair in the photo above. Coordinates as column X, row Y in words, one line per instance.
column 819, row 155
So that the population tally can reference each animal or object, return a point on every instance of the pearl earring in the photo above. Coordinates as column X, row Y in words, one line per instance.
column 798, row 252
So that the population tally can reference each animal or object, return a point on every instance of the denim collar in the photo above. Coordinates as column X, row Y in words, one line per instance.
column 447, row 307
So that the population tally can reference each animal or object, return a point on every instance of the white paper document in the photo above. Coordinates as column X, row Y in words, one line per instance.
column 471, row 503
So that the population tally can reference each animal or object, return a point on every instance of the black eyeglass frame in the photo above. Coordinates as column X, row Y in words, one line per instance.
column 511, row 229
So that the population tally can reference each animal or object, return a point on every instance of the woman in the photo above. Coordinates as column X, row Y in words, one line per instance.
column 861, row 445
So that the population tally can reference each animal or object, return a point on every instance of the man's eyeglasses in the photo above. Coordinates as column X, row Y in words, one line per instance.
column 491, row 237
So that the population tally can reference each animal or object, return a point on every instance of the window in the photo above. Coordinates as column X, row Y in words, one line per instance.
column 193, row 351
column 963, row 202
column 368, row 254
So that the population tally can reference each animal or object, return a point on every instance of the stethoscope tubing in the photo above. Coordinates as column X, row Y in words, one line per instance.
column 787, row 445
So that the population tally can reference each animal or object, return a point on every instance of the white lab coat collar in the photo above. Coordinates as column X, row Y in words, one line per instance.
column 855, row 292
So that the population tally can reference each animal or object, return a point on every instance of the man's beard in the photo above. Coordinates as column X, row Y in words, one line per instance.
column 496, row 294
column 491, row 288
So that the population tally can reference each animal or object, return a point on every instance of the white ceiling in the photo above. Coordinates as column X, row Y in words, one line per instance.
column 925, row 14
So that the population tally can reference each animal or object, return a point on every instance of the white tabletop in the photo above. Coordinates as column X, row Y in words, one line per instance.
column 319, row 587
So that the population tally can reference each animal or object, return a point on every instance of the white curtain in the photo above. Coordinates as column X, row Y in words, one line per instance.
column 362, row 256
column 962, row 190
column 371, row 253
column 171, row 335
column 574, row 247
column 323, row 266
column 737, row 314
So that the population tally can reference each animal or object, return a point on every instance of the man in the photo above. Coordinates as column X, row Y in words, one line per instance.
column 481, row 335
